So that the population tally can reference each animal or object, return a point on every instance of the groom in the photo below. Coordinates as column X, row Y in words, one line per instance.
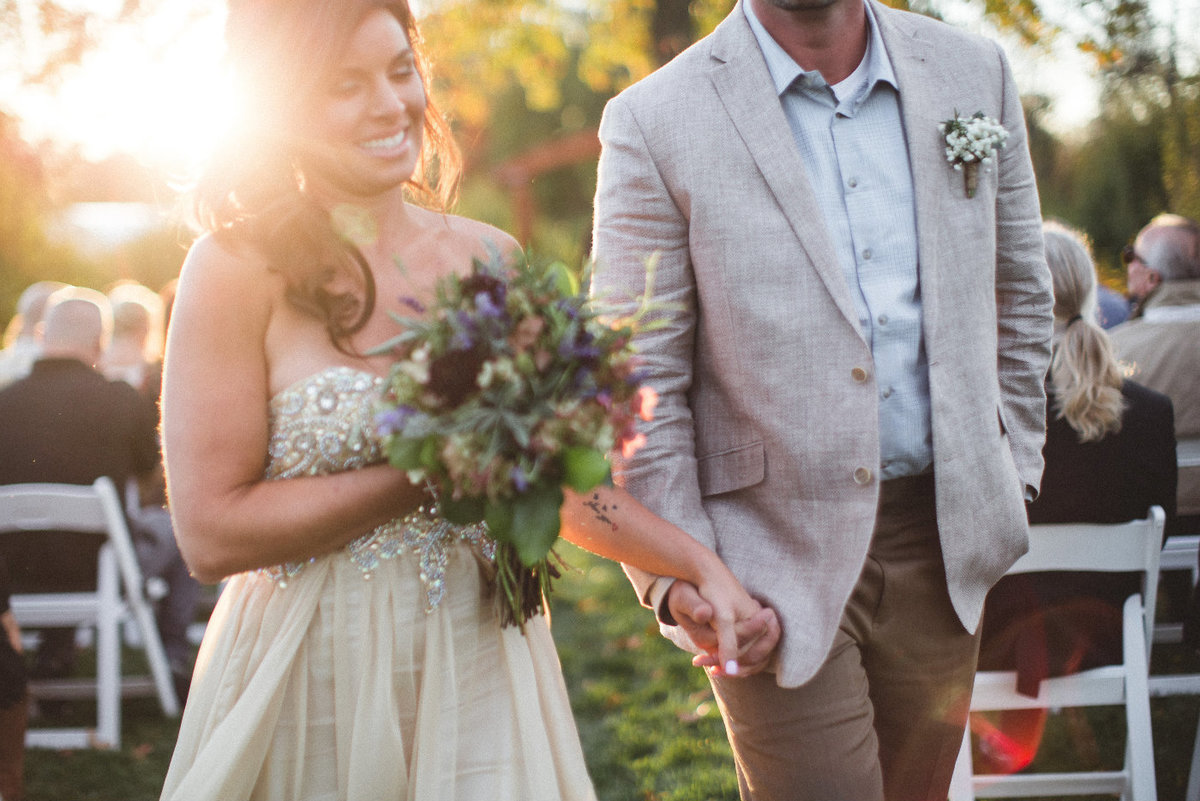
column 850, row 369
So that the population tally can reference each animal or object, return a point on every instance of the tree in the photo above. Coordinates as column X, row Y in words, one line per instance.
column 519, row 73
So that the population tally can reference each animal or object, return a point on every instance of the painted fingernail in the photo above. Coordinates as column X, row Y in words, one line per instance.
column 731, row 667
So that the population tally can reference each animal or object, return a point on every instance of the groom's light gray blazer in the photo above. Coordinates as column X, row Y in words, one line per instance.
column 765, row 444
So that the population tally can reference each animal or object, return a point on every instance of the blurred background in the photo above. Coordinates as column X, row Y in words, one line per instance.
column 107, row 108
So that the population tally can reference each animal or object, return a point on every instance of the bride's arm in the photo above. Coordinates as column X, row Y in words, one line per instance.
column 610, row 522
column 215, row 434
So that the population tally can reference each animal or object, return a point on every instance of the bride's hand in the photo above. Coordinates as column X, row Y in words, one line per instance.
column 735, row 632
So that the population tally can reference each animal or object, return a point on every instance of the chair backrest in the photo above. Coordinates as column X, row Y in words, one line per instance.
column 52, row 507
column 1101, row 547
column 72, row 507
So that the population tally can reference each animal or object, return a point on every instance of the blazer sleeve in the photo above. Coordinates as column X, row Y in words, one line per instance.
column 1024, row 294
column 641, row 248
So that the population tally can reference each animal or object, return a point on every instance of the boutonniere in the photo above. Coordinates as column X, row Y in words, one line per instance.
column 970, row 142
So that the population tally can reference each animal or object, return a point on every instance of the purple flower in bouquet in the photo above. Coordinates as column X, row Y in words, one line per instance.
column 389, row 421
column 413, row 304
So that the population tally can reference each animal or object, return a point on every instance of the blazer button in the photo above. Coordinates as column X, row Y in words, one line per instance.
column 858, row 374
column 862, row 476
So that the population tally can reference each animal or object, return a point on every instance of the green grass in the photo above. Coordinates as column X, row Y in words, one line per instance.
column 649, row 724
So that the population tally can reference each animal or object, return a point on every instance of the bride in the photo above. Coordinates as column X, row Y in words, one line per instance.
column 354, row 652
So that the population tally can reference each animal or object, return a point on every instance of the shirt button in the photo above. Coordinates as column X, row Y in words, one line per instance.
column 887, row 393
column 866, row 254
column 853, row 182
column 862, row 476
column 883, row 319
column 858, row 374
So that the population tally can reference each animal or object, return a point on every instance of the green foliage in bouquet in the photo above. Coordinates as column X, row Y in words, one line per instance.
column 510, row 386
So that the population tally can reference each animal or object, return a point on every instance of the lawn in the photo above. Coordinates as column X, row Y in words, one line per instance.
column 650, row 727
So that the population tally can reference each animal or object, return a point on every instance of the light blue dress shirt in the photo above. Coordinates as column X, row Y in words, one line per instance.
column 851, row 138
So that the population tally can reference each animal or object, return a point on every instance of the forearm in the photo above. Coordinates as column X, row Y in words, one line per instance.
column 610, row 522
column 226, row 531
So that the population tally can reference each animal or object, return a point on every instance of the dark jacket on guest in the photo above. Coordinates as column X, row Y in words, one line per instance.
column 67, row 423
column 1043, row 624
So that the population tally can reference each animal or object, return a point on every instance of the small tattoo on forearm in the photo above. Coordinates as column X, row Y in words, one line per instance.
column 601, row 509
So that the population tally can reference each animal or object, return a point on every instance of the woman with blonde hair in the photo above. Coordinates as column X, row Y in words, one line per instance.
column 1110, row 456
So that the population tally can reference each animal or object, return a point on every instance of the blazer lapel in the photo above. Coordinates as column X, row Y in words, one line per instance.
column 923, row 87
column 744, row 86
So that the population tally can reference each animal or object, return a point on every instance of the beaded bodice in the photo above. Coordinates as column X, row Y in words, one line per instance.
column 325, row 424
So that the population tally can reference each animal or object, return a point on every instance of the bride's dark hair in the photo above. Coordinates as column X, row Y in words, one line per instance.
column 253, row 192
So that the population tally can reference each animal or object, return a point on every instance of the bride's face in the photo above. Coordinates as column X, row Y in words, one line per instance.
column 363, row 133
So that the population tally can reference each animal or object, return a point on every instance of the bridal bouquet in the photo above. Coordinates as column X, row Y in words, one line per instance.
column 508, row 388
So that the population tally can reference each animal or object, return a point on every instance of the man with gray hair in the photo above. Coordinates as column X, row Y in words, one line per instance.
column 1160, row 344
column 66, row 423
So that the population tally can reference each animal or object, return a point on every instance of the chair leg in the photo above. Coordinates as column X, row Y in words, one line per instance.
column 160, row 668
column 1139, row 749
column 108, row 656
column 1193, row 785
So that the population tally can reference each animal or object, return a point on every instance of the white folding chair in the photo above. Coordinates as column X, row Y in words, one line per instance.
column 1122, row 547
column 1181, row 552
column 118, row 598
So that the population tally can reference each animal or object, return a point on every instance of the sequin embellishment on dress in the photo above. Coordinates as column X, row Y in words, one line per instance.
column 325, row 424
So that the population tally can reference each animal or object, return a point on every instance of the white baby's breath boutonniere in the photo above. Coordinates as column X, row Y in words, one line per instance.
column 971, row 142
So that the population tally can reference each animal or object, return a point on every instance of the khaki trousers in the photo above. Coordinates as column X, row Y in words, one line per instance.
column 883, row 718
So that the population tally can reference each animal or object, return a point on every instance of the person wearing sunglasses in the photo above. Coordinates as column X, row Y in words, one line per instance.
column 1140, row 278
column 1160, row 344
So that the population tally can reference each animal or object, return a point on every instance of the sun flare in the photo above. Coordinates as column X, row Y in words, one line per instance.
column 150, row 89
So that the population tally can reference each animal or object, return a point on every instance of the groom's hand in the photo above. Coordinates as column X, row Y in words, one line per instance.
column 756, row 636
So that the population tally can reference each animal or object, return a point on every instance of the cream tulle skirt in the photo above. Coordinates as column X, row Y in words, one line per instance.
column 343, row 688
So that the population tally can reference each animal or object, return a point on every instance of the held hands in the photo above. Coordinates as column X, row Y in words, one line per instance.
column 736, row 633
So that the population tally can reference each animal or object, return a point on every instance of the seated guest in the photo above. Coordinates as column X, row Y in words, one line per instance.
column 1110, row 456
column 1112, row 307
column 66, row 423
column 1160, row 344
column 21, row 345
column 134, row 354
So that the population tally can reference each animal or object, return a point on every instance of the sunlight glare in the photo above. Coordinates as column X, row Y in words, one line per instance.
column 151, row 91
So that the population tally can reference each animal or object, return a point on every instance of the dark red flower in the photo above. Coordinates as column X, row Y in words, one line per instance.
column 452, row 375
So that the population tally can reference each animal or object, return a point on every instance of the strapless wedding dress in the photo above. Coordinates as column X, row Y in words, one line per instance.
column 379, row 671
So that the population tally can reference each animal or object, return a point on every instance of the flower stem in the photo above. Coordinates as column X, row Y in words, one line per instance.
column 522, row 591
column 971, row 177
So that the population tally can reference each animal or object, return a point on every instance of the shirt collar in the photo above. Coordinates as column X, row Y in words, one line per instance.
column 784, row 70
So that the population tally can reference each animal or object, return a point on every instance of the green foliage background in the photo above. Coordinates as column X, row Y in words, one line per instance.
column 518, row 76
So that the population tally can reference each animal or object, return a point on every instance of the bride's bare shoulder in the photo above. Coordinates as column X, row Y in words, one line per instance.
column 470, row 236
column 220, row 253
column 222, row 270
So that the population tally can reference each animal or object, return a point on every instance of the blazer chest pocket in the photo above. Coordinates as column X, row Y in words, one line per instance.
column 730, row 470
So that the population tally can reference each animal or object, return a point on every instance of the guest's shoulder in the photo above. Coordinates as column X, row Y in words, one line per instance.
column 1134, row 337
column 1149, row 415
column 1151, row 401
